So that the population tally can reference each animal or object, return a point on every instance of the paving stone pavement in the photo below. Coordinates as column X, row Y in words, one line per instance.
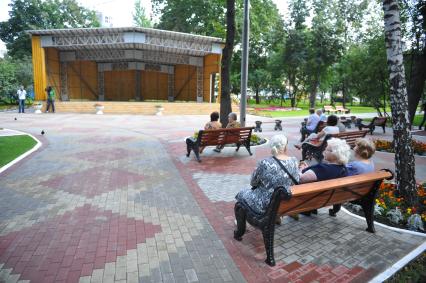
column 113, row 198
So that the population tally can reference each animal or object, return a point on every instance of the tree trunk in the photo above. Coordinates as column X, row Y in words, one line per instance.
column 213, row 87
column 416, row 82
column 344, row 95
column 257, row 96
column 404, row 155
column 312, row 97
column 225, row 99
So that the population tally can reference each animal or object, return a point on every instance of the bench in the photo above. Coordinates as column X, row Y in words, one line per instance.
column 277, row 127
column 377, row 121
column 359, row 189
column 239, row 136
column 311, row 150
column 341, row 109
column 329, row 109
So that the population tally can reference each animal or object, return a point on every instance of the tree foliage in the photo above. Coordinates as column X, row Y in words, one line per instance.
column 37, row 14
column 139, row 16
column 201, row 17
column 13, row 73
column 413, row 18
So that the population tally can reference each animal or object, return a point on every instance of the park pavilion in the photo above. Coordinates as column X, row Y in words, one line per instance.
column 125, row 64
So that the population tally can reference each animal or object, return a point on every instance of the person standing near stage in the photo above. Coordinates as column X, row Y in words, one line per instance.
column 50, row 99
column 22, row 95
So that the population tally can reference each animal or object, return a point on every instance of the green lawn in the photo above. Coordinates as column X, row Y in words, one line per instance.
column 7, row 106
column 13, row 146
column 355, row 109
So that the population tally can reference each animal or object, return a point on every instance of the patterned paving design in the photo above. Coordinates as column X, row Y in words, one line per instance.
column 117, row 200
column 73, row 244
column 93, row 181
column 106, row 140
column 216, row 188
column 106, row 155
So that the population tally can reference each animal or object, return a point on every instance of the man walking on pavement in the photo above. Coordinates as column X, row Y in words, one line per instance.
column 22, row 95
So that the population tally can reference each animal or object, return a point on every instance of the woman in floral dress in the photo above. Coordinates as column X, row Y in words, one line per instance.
column 269, row 175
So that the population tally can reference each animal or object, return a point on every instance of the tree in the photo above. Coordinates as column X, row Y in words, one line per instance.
column 362, row 69
column 8, row 81
column 414, row 27
column 225, row 97
column 139, row 16
column 294, row 53
column 38, row 14
column 191, row 16
column 259, row 79
column 324, row 47
column 266, row 34
column 404, row 154
column 349, row 15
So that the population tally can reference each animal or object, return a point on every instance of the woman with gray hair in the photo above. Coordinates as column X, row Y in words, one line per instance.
column 336, row 155
column 269, row 175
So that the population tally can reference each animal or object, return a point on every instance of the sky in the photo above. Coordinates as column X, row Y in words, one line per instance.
column 123, row 18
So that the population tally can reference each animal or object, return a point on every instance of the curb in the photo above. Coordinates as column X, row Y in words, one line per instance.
column 25, row 154
column 403, row 261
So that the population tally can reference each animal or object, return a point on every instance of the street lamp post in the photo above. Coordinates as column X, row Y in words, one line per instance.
column 244, row 63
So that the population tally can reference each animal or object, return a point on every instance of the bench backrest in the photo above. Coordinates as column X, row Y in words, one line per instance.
column 328, row 107
column 351, row 137
column 315, row 195
column 224, row 136
column 339, row 107
column 379, row 121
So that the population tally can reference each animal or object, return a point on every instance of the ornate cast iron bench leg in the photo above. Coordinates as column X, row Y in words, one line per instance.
column 268, row 239
column 334, row 210
column 247, row 145
column 191, row 144
column 240, row 216
column 367, row 204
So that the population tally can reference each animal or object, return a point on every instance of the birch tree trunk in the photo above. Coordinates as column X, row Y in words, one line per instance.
column 404, row 154
column 225, row 97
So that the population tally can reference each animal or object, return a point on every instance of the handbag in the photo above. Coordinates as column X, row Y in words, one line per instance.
column 285, row 170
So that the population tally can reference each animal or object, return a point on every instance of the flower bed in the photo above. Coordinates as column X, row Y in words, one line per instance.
column 392, row 210
column 384, row 145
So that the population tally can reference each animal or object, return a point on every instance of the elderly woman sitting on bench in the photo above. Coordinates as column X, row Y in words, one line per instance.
column 336, row 155
column 271, row 172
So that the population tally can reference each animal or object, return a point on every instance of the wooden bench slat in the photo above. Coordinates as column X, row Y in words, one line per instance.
column 308, row 188
column 327, row 198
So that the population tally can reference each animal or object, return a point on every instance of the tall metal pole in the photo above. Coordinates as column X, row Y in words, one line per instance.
column 244, row 63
